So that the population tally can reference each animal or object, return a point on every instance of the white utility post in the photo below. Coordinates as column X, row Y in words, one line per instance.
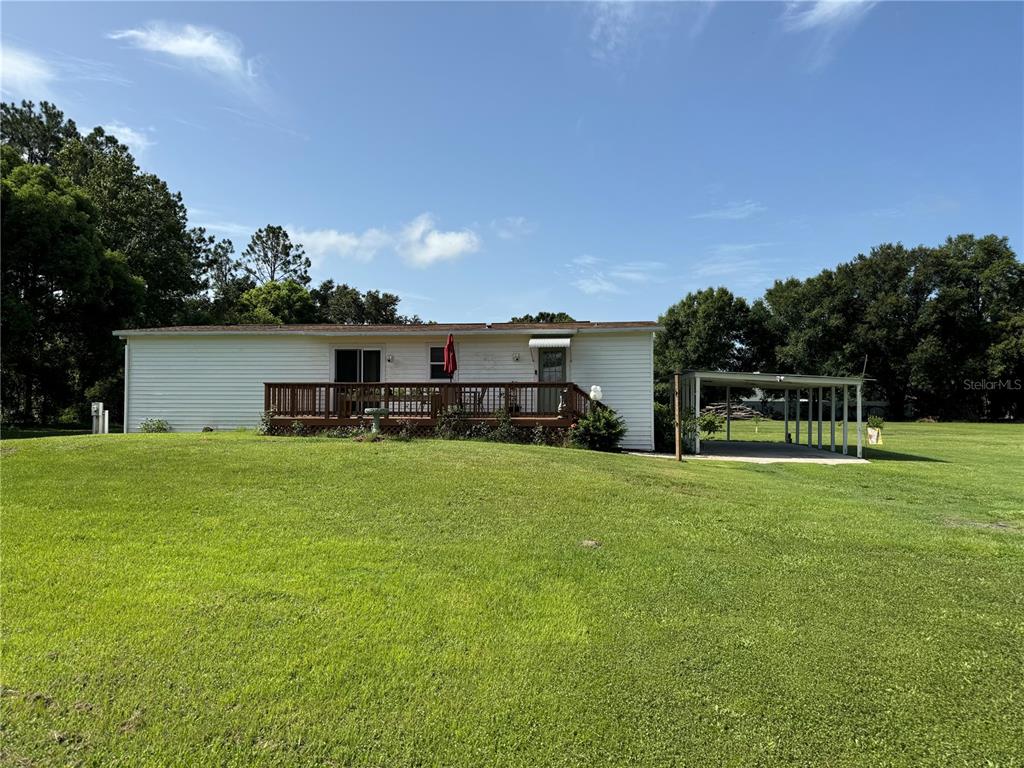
column 821, row 399
column 860, row 446
column 728, row 414
column 832, row 430
column 696, row 415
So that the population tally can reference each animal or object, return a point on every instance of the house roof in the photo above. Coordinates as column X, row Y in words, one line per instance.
column 434, row 329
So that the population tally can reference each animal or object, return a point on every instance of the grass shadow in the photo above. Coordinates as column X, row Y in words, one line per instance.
column 22, row 433
column 880, row 454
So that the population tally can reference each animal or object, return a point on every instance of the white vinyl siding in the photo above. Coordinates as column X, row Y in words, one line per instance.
column 217, row 380
column 622, row 364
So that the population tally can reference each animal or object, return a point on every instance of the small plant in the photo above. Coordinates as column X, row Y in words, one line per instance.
column 155, row 425
column 757, row 423
column 298, row 428
column 600, row 430
column 876, row 422
column 207, row 428
column 479, row 431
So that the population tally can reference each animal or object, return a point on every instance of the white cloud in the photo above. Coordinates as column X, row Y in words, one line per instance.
column 801, row 16
column 733, row 211
column 596, row 283
column 513, row 227
column 613, row 28
column 421, row 244
column 826, row 19
column 138, row 140
column 594, row 275
column 324, row 244
column 210, row 49
column 24, row 74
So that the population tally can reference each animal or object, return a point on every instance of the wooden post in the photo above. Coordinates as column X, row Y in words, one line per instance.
column 678, row 408
column 728, row 414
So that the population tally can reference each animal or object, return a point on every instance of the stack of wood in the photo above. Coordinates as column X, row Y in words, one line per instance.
column 737, row 411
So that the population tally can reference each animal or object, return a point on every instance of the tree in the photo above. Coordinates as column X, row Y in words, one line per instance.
column 544, row 317
column 705, row 330
column 345, row 305
column 63, row 293
column 271, row 256
column 37, row 137
column 141, row 218
column 276, row 303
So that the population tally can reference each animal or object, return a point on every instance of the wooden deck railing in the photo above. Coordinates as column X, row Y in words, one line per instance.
column 347, row 400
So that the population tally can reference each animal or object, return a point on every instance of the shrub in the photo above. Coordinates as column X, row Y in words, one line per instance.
column 710, row 423
column 207, row 428
column 298, row 428
column 540, row 436
column 155, row 425
column 876, row 422
column 265, row 427
column 452, row 423
column 505, row 431
column 599, row 430
column 664, row 428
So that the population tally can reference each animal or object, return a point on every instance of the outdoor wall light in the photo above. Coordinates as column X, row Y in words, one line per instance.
column 515, row 356
column 390, row 358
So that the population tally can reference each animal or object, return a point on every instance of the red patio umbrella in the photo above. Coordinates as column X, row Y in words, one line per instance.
column 450, row 364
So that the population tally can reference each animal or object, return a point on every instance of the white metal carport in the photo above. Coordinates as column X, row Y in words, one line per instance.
column 688, row 386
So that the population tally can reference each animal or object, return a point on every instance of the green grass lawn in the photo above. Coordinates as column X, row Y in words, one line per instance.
column 225, row 599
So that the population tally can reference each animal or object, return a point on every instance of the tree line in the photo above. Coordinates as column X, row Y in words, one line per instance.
column 939, row 331
column 92, row 243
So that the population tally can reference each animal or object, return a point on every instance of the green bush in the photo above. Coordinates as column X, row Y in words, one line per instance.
column 710, row 423
column 155, row 425
column 505, row 431
column 664, row 428
column 876, row 422
column 453, row 423
column 599, row 430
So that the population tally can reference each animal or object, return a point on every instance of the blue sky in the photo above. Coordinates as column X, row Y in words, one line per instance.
column 485, row 160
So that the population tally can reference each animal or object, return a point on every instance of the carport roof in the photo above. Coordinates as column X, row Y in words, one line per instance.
column 770, row 380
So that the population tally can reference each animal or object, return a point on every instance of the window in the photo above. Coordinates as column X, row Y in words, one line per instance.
column 437, row 363
column 357, row 365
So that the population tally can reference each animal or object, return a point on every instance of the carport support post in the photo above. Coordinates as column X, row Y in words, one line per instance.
column 810, row 416
column 860, row 447
column 821, row 400
column 796, row 441
column 728, row 415
column 785, row 411
column 832, row 427
column 678, row 407
column 846, row 417
column 696, row 415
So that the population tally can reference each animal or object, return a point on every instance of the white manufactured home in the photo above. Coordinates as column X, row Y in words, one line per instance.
column 226, row 377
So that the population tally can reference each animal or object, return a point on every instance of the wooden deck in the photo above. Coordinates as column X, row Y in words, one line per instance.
column 327, row 404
